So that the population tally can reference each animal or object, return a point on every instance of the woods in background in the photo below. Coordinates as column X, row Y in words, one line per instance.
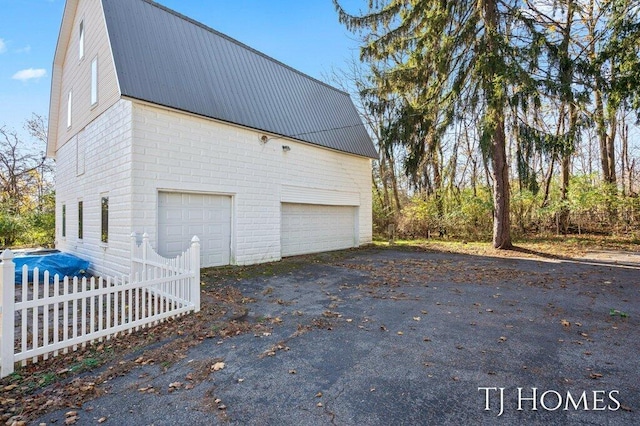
column 499, row 116
column 27, row 200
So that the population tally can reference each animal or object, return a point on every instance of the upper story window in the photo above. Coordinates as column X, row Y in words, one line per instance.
column 94, row 81
column 81, row 41
column 69, row 99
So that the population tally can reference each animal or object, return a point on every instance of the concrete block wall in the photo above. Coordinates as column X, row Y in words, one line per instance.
column 173, row 151
column 96, row 162
column 322, row 176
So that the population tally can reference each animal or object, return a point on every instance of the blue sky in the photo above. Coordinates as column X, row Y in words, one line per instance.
column 303, row 34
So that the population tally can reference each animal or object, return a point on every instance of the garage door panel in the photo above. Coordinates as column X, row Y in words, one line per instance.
column 177, row 247
column 181, row 216
column 173, row 231
column 196, row 214
column 310, row 228
column 173, row 214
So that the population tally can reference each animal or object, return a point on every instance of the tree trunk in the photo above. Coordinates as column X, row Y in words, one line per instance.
column 624, row 157
column 495, row 118
column 384, row 178
column 394, row 181
column 611, row 152
column 501, row 201
column 564, row 189
column 569, row 128
column 602, row 136
column 547, row 183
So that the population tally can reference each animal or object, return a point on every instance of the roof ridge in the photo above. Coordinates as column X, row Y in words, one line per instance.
column 241, row 44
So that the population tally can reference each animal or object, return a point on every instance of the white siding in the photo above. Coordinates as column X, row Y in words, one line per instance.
column 105, row 145
column 302, row 195
column 134, row 152
column 74, row 74
column 179, row 152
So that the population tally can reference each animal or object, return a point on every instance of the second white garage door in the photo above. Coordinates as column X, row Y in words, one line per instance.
column 183, row 215
column 311, row 228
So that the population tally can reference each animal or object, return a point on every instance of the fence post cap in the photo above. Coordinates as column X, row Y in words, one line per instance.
column 145, row 236
column 195, row 239
column 6, row 255
column 134, row 235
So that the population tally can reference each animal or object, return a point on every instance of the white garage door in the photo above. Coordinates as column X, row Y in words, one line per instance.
column 311, row 228
column 183, row 215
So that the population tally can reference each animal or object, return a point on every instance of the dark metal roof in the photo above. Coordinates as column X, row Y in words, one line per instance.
column 168, row 59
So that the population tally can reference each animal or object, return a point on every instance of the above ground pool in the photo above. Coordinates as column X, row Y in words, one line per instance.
column 54, row 261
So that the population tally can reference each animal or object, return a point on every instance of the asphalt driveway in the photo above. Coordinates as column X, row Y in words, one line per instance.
column 392, row 337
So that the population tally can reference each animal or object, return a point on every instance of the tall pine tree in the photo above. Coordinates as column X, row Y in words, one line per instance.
column 442, row 56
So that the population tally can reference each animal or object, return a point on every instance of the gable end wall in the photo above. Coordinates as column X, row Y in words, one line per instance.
column 75, row 74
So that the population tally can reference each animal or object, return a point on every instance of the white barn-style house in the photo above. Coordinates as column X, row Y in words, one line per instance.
column 161, row 125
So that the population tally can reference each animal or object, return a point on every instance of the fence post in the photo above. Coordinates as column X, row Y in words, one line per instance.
column 145, row 245
column 195, row 266
column 7, row 315
column 132, row 269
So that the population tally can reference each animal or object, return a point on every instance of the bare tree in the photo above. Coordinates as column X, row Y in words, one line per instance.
column 23, row 166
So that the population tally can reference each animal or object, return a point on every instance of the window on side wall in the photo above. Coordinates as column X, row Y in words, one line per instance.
column 81, row 41
column 94, row 81
column 69, row 99
column 104, row 220
column 64, row 221
column 80, row 220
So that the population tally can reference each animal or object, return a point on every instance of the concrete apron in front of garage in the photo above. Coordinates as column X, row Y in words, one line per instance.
column 382, row 337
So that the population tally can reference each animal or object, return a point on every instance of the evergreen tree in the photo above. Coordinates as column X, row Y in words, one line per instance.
column 443, row 57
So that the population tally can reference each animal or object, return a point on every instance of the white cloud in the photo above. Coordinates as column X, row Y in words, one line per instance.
column 26, row 49
column 3, row 46
column 29, row 74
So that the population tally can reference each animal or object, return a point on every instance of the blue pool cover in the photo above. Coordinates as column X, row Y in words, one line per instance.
column 62, row 264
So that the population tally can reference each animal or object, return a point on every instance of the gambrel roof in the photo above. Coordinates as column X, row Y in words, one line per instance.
column 167, row 59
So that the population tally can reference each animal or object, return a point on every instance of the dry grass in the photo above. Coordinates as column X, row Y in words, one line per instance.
column 570, row 246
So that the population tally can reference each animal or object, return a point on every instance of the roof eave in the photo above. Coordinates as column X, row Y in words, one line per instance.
column 372, row 155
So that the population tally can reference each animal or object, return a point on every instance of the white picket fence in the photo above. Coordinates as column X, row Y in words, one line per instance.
column 54, row 315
